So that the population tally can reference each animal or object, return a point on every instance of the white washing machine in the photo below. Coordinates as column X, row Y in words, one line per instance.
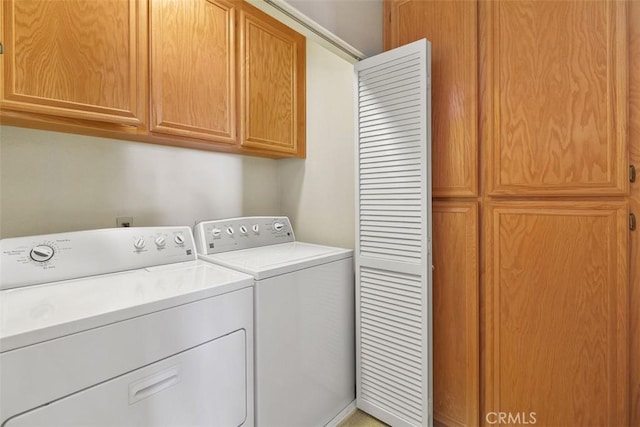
column 304, row 317
column 122, row 327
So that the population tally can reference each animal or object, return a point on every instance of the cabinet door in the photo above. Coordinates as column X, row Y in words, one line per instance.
column 82, row 59
column 559, row 97
column 634, row 151
column 455, row 314
column 557, row 313
column 193, row 69
column 452, row 28
column 272, row 84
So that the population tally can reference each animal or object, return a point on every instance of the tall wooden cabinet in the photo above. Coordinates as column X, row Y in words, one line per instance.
column 80, row 59
column 452, row 28
column 634, row 154
column 552, row 87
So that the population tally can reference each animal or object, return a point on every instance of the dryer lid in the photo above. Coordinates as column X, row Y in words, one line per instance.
column 38, row 313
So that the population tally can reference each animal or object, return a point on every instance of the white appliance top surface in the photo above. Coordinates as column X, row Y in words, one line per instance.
column 268, row 261
column 38, row 313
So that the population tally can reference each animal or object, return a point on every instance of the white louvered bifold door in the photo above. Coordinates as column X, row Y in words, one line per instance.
column 393, row 235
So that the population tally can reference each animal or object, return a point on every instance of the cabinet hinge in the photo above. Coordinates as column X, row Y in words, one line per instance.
column 1, row 49
column 632, row 222
column 632, row 173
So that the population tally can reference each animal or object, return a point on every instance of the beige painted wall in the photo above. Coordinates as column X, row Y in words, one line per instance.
column 53, row 182
column 318, row 193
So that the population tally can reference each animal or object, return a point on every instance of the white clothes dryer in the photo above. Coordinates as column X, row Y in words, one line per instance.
column 304, row 317
column 122, row 327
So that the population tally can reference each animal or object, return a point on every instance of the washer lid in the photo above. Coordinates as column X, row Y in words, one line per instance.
column 38, row 313
column 268, row 261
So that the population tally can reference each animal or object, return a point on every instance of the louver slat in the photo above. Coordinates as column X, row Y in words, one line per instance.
column 393, row 244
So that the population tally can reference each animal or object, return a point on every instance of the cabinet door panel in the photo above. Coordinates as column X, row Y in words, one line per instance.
column 634, row 140
column 272, row 84
column 193, row 69
column 559, row 92
column 451, row 26
column 455, row 313
column 81, row 59
column 557, row 312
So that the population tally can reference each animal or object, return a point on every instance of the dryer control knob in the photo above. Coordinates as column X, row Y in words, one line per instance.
column 215, row 232
column 230, row 231
column 255, row 228
column 161, row 242
column 243, row 229
column 41, row 253
column 179, row 239
column 139, row 243
column 278, row 226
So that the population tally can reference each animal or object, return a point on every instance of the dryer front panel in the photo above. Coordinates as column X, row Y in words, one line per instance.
column 206, row 385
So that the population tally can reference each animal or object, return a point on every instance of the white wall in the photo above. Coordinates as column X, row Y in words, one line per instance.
column 318, row 193
column 358, row 22
column 53, row 182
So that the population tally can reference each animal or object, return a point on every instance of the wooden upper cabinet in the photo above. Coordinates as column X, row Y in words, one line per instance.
column 557, row 312
column 456, row 352
column 557, row 97
column 272, row 84
column 193, row 69
column 80, row 59
column 452, row 28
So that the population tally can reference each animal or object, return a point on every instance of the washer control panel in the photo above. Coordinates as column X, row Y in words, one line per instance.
column 232, row 234
column 53, row 257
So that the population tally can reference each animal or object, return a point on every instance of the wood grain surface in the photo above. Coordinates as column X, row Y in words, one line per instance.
column 76, row 58
column 272, row 83
column 558, row 302
column 451, row 27
column 634, row 139
column 193, row 69
column 455, row 313
column 559, row 89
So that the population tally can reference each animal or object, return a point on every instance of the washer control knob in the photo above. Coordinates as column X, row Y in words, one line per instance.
column 215, row 232
column 243, row 229
column 179, row 239
column 161, row 242
column 255, row 228
column 139, row 243
column 42, row 253
column 278, row 226
column 230, row 231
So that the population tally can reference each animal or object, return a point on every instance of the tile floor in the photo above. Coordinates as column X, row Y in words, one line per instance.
column 361, row 419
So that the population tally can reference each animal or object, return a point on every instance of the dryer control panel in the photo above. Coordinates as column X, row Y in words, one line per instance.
column 232, row 234
column 53, row 257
